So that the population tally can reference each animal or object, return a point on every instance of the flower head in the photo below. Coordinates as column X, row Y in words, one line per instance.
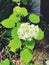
column 27, row 31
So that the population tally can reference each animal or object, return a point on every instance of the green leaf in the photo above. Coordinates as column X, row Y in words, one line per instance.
column 18, row 24
column 14, row 30
column 21, row 11
column 14, row 18
column 40, row 35
column 8, row 23
column 30, row 44
column 5, row 62
column 26, row 55
column 17, row 10
column 34, row 18
column 14, row 44
column 0, row 64
column 24, row 11
column 16, row 1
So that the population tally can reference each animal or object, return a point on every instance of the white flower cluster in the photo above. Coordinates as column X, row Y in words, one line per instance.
column 27, row 31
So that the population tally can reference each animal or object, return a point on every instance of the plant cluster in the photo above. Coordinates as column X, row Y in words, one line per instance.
column 22, row 33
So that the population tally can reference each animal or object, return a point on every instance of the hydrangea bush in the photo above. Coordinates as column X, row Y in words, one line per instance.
column 22, row 33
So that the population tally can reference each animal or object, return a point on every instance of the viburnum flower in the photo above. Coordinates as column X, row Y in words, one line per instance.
column 28, row 31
